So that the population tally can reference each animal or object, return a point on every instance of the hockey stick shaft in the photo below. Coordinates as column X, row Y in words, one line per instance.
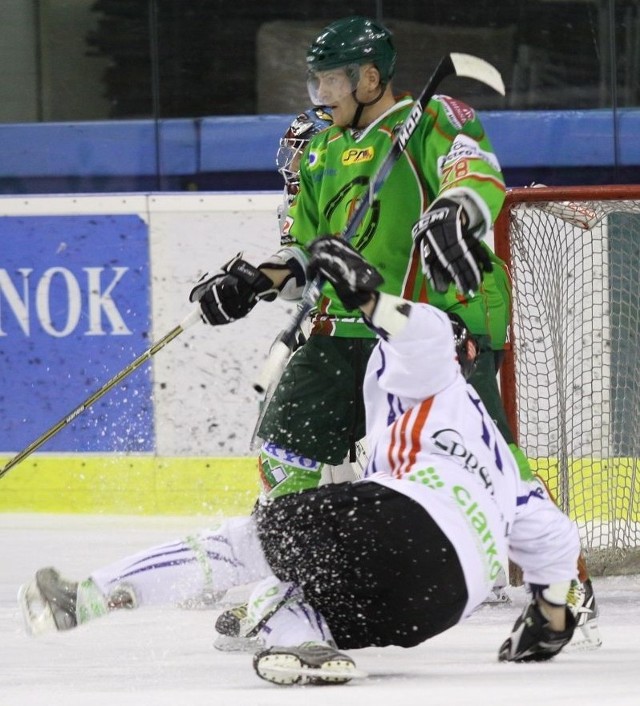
column 189, row 321
column 450, row 65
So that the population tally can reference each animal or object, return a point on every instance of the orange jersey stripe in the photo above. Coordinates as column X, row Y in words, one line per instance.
column 404, row 444
column 416, row 431
column 404, row 423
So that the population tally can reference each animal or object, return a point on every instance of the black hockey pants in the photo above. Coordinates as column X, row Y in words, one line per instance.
column 371, row 560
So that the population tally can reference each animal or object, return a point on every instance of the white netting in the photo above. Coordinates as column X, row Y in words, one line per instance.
column 576, row 322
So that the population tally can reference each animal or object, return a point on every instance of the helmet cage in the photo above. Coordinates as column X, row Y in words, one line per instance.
column 294, row 141
column 288, row 161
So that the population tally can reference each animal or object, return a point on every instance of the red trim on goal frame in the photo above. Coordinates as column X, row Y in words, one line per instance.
column 503, row 250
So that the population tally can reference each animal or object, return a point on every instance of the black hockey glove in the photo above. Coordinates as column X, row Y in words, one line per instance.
column 449, row 252
column 233, row 292
column 532, row 640
column 353, row 278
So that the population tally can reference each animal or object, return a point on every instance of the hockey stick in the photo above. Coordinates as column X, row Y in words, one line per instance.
column 450, row 65
column 189, row 321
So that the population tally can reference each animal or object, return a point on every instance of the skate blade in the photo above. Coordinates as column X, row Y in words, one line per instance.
column 225, row 643
column 280, row 670
column 499, row 597
column 585, row 638
column 322, row 673
column 37, row 616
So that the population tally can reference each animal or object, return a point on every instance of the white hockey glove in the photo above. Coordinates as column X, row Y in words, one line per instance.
column 353, row 278
column 450, row 253
column 231, row 293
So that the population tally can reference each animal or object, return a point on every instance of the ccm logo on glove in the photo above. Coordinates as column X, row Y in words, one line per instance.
column 450, row 253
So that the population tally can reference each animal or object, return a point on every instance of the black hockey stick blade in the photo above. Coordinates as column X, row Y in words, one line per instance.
column 455, row 64
column 189, row 321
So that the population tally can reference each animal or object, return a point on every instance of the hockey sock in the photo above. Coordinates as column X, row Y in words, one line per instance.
column 90, row 602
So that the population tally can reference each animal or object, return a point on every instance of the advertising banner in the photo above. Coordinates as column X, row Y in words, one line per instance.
column 74, row 310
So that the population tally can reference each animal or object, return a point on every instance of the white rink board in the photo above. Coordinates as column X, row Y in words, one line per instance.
column 203, row 383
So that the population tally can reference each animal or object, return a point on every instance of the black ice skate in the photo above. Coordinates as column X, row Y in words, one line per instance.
column 233, row 628
column 532, row 640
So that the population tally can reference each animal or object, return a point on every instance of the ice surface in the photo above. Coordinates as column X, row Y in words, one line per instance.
column 154, row 657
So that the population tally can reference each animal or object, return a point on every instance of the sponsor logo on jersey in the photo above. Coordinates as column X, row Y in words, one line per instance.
column 316, row 158
column 459, row 113
column 317, row 177
column 427, row 476
column 448, row 442
column 357, row 155
column 479, row 523
column 464, row 148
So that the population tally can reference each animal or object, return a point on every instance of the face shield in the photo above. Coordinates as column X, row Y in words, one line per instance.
column 331, row 86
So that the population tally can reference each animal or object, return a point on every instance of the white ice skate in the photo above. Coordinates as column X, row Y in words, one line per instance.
column 48, row 602
column 51, row 603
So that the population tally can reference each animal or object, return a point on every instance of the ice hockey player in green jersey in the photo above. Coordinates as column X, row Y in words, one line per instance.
column 446, row 189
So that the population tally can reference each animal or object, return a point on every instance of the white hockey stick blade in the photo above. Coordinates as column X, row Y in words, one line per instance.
column 473, row 67
column 36, row 614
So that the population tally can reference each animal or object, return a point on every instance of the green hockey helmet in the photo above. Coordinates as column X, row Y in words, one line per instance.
column 353, row 40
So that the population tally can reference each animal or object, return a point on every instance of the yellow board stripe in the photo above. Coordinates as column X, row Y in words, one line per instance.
column 599, row 489
column 148, row 485
column 130, row 485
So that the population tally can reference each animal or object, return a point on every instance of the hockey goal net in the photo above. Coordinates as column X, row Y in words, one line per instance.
column 571, row 379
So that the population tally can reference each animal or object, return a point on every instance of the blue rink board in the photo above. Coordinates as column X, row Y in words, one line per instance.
column 56, row 349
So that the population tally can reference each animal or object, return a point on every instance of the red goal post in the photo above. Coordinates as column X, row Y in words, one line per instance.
column 570, row 379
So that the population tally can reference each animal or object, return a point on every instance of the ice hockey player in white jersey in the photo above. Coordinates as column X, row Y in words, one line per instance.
column 392, row 559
